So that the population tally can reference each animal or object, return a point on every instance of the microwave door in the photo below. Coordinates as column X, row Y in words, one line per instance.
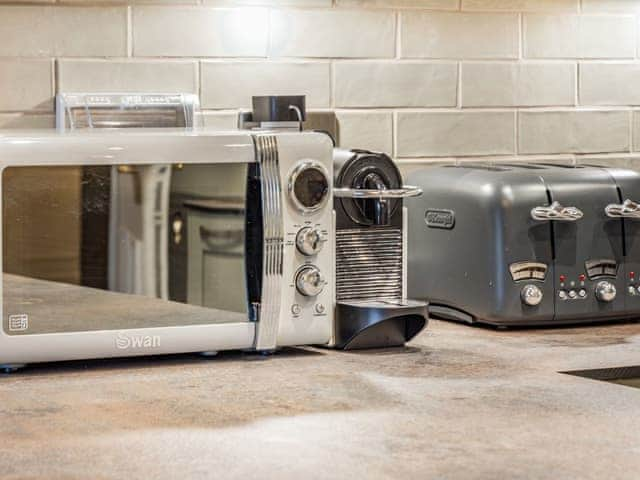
column 87, row 248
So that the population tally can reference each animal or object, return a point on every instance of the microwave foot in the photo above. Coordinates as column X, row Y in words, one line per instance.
column 11, row 367
column 209, row 353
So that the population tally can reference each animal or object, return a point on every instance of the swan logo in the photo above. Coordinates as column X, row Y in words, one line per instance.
column 127, row 342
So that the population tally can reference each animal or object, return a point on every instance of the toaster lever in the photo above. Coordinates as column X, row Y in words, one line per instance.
column 557, row 213
column 628, row 209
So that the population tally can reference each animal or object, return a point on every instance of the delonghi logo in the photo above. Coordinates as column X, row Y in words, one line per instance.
column 436, row 218
column 125, row 342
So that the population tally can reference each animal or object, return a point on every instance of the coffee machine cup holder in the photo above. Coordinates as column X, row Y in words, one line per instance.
column 362, row 324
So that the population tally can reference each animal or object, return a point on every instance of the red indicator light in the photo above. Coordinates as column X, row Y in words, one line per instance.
column 562, row 278
column 632, row 274
column 582, row 277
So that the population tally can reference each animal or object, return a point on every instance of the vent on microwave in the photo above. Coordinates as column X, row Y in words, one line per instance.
column 369, row 263
column 528, row 271
column 601, row 268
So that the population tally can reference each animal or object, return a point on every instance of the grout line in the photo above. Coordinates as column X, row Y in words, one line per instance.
column 129, row 31
column 578, row 69
column 520, row 36
column 398, row 36
column 459, row 86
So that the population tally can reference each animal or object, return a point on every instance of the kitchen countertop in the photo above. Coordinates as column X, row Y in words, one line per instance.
column 458, row 402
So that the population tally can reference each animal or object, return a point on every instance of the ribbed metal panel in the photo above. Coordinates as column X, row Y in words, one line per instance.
column 369, row 263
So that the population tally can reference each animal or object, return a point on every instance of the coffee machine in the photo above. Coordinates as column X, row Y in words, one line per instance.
column 372, row 309
column 371, row 305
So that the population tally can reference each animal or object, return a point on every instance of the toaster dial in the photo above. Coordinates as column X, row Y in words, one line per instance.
column 309, row 241
column 605, row 291
column 310, row 281
column 531, row 295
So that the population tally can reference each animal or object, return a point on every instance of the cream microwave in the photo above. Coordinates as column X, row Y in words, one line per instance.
column 142, row 242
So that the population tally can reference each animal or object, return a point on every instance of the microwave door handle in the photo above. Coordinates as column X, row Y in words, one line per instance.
column 557, row 213
column 362, row 193
column 628, row 209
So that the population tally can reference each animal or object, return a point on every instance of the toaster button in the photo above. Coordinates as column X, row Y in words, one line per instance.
column 582, row 293
column 573, row 294
column 562, row 295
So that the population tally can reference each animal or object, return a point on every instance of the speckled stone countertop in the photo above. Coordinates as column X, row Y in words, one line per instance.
column 458, row 402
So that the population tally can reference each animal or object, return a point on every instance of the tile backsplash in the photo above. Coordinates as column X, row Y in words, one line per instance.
column 425, row 80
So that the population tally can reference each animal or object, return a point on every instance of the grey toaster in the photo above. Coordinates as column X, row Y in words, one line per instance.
column 525, row 244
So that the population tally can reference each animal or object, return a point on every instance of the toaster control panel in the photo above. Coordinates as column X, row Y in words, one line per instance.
column 573, row 289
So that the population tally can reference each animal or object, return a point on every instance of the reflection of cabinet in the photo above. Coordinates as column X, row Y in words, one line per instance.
column 216, row 269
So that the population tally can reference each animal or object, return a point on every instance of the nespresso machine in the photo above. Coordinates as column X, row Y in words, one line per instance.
column 372, row 309
column 371, row 305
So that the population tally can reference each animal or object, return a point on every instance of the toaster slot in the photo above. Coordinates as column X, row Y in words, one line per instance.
column 588, row 247
column 628, row 185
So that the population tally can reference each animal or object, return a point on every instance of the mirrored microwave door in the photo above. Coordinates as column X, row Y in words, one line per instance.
column 88, row 248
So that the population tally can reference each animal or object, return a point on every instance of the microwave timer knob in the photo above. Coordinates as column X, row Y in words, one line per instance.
column 531, row 295
column 309, row 241
column 605, row 291
column 309, row 281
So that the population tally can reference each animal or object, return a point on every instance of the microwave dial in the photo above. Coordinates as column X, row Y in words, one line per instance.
column 309, row 241
column 309, row 281
column 309, row 186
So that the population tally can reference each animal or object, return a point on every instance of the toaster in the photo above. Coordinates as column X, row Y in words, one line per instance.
column 372, row 309
column 526, row 244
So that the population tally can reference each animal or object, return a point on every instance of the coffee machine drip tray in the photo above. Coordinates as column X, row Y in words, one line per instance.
column 378, row 323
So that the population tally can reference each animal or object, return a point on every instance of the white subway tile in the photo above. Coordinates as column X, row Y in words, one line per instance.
column 46, row 31
column 573, row 132
column 199, row 32
column 387, row 84
column 497, row 84
column 459, row 35
column 26, row 121
column 231, row 85
column 442, row 134
column 579, row 36
column 169, row 76
column 522, row 5
column 126, row 2
column 636, row 131
column 277, row 3
column 366, row 130
column 630, row 6
column 219, row 120
column 332, row 33
column 432, row 4
column 609, row 84
column 26, row 85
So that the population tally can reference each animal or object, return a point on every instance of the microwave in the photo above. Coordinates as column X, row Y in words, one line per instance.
column 139, row 242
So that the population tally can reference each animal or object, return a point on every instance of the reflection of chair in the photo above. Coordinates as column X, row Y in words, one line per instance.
column 138, row 238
